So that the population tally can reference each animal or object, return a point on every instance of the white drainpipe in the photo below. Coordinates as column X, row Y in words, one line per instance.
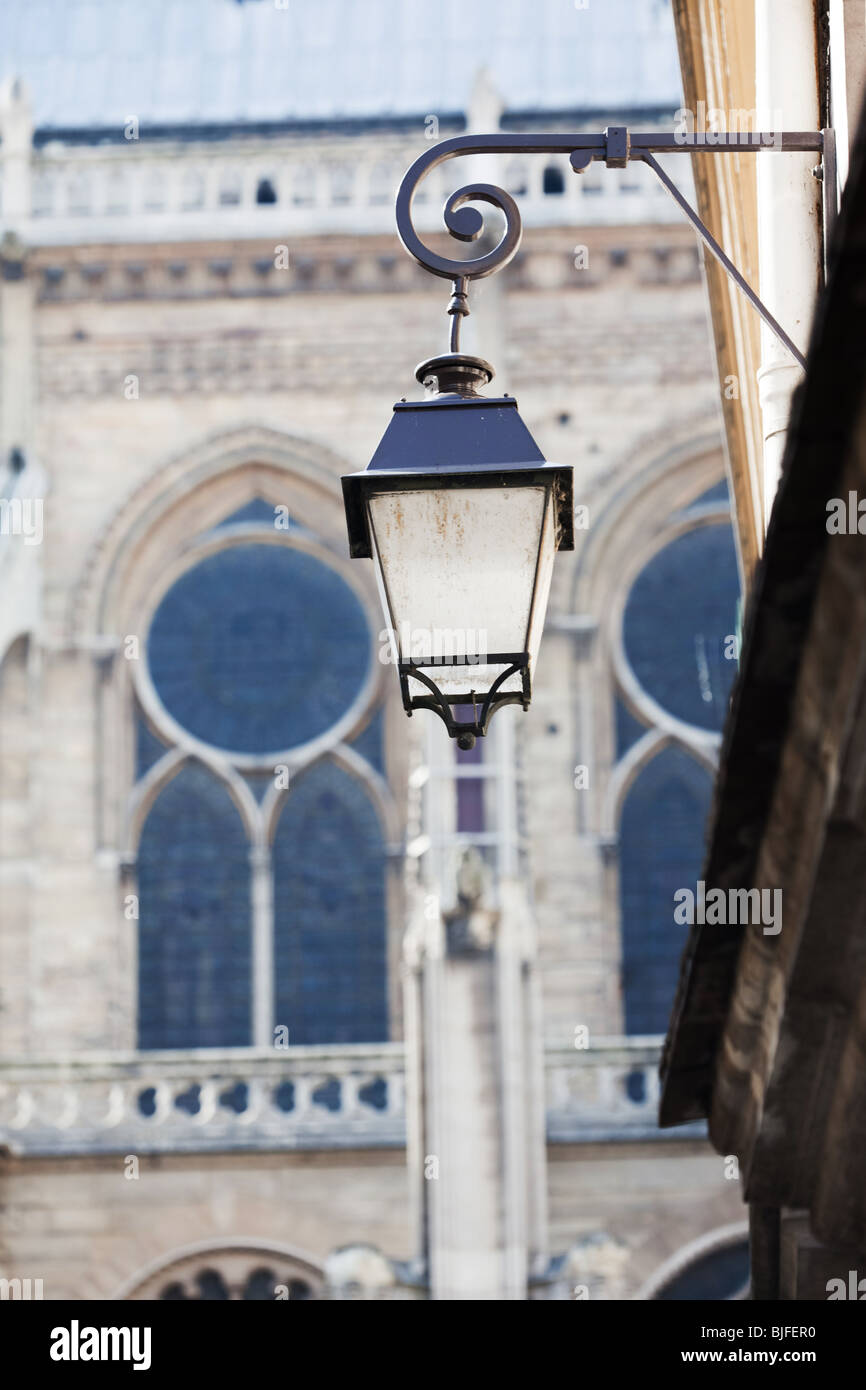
column 789, row 200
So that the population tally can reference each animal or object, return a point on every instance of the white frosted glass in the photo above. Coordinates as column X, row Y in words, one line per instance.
column 547, row 552
column 458, row 570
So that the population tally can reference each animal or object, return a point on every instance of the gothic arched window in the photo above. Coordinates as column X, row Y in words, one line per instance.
column 661, row 845
column 266, row 191
column 678, row 660
column 329, row 905
column 233, row 1272
column 554, row 180
column 679, row 617
column 259, row 658
column 718, row 1274
column 194, row 953
column 261, row 1285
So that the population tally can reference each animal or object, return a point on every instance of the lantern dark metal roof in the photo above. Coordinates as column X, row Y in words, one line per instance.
column 456, row 439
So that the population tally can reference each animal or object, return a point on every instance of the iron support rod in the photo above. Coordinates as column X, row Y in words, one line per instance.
column 710, row 242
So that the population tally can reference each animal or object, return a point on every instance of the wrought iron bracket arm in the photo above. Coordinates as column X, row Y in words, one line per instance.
column 616, row 146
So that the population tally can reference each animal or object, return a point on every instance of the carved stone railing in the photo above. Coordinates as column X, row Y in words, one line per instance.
column 609, row 1091
column 300, row 1098
column 288, row 187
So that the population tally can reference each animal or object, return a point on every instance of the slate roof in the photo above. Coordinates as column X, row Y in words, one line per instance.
column 95, row 63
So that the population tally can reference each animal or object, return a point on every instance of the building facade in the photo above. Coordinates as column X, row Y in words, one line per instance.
column 766, row 1037
column 297, row 1000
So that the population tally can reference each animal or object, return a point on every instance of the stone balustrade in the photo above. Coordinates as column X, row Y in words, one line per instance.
column 300, row 1098
column 238, row 187
column 609, row 1091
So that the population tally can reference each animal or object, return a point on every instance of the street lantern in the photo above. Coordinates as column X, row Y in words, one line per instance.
column 458, row 509
column 462, row 517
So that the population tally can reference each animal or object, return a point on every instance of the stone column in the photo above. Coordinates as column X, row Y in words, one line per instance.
column 16, row 298
column 22, row 482
column 484, row 1161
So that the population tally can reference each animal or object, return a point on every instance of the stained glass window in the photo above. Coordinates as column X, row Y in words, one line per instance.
column 661, row 850
column 329, row 913
column 719, row 1275
column 681, row 610
column 258, row 648
column 194, row 952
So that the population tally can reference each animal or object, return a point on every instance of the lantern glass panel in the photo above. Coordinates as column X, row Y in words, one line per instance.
column 464, row 573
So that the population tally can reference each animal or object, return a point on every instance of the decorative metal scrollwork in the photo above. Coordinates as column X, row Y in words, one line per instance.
column 616, row 146
column 465, row 224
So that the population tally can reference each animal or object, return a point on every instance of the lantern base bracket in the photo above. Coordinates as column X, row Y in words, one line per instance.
column 483, row 706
